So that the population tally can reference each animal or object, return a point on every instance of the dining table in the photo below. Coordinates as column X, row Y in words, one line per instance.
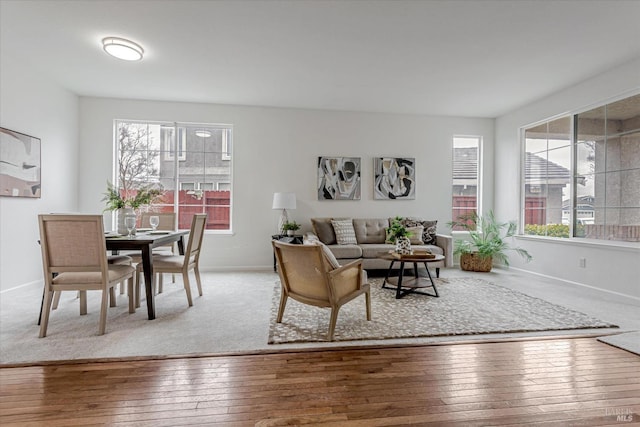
column 145, row 241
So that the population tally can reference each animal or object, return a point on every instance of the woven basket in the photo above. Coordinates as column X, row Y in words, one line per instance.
column 474, row 262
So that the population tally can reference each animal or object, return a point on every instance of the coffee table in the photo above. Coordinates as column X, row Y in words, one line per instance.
column 410, row 285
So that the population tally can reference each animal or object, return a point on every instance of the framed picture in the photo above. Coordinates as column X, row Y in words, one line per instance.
column 19, row 164
column 394, row 178
column 338, row 178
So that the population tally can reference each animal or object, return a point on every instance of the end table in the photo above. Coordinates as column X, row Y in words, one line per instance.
column 296, row 239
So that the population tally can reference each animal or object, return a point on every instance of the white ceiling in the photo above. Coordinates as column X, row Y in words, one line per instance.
column 460, row 58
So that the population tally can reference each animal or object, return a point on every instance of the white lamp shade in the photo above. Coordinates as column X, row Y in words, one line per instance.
column 284, row 201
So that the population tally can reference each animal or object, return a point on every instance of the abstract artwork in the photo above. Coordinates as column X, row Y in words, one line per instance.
column 338, row 178
column 19, row 164
column 394, row 178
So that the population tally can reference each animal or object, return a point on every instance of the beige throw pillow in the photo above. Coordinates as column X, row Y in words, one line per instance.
column 345, row 233
column 416, row 235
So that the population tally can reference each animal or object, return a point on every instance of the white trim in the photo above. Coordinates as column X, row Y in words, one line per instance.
column 35, row 282
column 577, row 241
column 577, row 283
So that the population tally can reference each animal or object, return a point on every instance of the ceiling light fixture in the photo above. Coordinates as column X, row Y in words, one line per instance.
column 122, row 48
column 203, row 133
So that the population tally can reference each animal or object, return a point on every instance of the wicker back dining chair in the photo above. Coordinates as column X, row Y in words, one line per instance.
column 167, row 220
column 74, row 258
column 310, row 275
column 167, row 223
column 182, row 264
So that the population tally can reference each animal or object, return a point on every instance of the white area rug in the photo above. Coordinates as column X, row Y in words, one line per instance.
column 466, row 306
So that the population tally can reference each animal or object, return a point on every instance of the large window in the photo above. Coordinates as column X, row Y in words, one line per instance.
column 466, row 176
column 191, row 163
column 582, row 174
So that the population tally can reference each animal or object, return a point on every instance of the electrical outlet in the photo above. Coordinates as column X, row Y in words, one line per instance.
column 583, row 262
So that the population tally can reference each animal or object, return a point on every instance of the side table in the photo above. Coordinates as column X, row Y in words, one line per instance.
column 410, row 285
column 296, row 239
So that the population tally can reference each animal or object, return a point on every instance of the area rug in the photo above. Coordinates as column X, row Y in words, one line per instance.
column 466, row 306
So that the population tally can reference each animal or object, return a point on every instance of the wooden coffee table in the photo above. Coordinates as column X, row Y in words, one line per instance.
column 410, row 285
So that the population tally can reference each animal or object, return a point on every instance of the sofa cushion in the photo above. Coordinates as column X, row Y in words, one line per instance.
column 346, row 251
column 375, row 250
column 370, row 230
column 323, row 228
column 429, row 233
column 345, row 234
column 434, row 249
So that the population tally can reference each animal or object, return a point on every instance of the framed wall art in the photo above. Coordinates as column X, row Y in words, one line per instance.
column 19, row 164
column 338, row 178
column 394, row 178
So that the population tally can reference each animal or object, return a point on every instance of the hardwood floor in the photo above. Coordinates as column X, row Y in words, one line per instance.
column 551, row 382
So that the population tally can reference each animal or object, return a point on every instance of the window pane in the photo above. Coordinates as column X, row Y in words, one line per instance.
column 547, row 179
column 611, row 132
column 465, row 191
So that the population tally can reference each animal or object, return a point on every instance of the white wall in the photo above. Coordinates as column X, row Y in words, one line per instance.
column 608, row 267
column 31, row 104
column 275, row 150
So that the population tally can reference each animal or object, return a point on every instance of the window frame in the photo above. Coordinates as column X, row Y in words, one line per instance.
column 575, row 177
column 167, row 155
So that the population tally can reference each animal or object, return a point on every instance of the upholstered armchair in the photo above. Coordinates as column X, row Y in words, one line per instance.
column 310, row 276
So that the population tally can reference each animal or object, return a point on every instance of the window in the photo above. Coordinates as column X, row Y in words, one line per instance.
column 547, row 181
column 466, row 175
column 189, row 162
column 587, row 166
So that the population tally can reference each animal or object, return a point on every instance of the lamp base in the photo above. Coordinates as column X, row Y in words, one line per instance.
column 284, row 218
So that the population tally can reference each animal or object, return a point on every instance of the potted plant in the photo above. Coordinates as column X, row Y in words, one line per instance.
column 397, row 233
column 290, row 227
column 129, row 202
column 488, row 241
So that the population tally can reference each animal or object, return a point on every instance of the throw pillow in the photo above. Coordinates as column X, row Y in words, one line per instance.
column 429, row 232
column 416, row 235
column 345, row 234
column 324, row 230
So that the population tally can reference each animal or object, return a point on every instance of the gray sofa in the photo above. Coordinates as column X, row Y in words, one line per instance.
column 370, row 234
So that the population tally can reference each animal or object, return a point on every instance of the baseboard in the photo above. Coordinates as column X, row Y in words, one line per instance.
column 231, row 269
column 35, row 282
column 576, row 283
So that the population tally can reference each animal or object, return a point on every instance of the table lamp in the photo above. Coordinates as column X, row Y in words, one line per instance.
column 283, row 201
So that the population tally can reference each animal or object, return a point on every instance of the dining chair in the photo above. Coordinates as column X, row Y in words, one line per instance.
column 111, row 259
column 74, row 258
column 167, row 223
column 182, row 264
column 310, row 274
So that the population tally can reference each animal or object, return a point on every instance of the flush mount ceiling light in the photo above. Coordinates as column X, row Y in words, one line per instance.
column 122, row 48
column 203, row 133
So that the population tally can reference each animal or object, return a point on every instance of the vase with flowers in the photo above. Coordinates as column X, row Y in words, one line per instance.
column 128, row 202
